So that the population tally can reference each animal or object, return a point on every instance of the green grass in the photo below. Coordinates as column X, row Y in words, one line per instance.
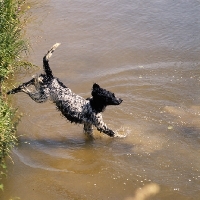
column 11, row 39
column 7, row 128
column 12, row 45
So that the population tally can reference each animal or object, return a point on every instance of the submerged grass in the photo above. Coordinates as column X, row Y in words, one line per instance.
column 12, row 44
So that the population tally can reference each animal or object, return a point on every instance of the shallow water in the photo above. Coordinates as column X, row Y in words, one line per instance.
column 147, row 53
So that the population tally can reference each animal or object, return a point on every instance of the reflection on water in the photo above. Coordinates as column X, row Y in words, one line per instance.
column 148, row 54
column 145, row 192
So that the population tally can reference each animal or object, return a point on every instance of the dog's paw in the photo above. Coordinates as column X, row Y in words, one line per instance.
column 25, row 89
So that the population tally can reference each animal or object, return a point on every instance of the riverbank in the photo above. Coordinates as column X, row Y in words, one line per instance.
column 12, row 45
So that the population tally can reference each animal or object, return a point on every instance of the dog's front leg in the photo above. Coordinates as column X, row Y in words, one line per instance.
column 102, row 127
column 106, row 130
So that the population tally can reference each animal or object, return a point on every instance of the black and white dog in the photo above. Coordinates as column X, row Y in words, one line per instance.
column 74, row 107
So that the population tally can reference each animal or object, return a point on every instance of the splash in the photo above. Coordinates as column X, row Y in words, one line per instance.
column 122, row 132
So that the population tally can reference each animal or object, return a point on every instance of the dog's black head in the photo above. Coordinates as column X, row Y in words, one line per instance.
column 102, row 98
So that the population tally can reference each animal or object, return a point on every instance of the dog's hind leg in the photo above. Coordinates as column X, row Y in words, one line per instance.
column 37, row 96
column 46, row 61
column 21, row 87
column 88, row 129
column 37, row 81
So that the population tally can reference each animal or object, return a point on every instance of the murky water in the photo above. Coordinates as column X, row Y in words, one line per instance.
column 147, row 52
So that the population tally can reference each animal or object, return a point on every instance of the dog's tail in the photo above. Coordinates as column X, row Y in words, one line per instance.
column 46, row 61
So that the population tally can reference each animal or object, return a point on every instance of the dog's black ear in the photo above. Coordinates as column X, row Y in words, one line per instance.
column 95, row 86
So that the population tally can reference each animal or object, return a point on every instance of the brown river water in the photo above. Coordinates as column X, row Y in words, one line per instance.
column 148, row 54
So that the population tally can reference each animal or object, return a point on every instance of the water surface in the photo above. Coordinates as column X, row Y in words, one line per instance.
column 147, row 53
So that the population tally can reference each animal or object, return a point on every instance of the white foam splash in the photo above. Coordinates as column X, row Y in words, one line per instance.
column 122, row 132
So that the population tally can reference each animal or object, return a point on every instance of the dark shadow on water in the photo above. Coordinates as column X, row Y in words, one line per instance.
column 85, row 142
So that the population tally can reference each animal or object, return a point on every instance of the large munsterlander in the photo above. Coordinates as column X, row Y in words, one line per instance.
column 74, row 107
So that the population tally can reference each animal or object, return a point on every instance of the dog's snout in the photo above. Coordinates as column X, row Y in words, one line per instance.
column 120, row 101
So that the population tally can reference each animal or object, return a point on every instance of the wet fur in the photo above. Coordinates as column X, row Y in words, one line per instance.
column 74, row 107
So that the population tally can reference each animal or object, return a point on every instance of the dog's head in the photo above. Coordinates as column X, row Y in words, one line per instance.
column 102, row 98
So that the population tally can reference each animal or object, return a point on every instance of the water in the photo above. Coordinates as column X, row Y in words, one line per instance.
column 147, row 52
